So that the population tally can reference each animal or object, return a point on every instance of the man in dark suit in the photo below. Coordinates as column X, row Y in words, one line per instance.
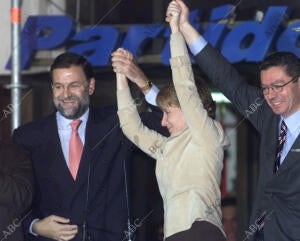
column 16, row 190
column 276, row 210
column 82, row 197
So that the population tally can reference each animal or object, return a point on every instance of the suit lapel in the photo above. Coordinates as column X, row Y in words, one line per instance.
column 271, row 148
column 97, row 130
column 291, row 157
column 58, row 167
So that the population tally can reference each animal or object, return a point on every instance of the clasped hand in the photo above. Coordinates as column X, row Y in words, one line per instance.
column 55, row 227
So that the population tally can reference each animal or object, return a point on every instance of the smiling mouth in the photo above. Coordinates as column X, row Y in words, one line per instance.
column 276, row 104
column 68, row 102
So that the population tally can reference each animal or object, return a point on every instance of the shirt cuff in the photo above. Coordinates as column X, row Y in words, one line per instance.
column 30, row 227
column 198, row 45
column 151, row 95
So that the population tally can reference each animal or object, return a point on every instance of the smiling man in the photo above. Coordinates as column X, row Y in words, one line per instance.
column 276, row 210
column 78, row 156
column 71, row 91
column 279, row 74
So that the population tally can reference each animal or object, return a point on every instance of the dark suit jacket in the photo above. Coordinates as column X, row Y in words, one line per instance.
column 277, row 194
column 16, row 190
column 105, row 150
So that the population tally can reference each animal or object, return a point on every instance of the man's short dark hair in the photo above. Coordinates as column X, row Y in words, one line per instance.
column 66, row 60
column 289, row 61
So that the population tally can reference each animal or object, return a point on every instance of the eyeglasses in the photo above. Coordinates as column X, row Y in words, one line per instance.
column 277, row 88
column 74, row 86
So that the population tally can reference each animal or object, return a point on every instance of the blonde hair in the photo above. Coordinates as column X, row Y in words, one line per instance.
column 167, row 97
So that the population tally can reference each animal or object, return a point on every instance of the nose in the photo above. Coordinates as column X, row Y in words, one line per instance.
column 66, row 92
column 164, row 121
column 271, row 94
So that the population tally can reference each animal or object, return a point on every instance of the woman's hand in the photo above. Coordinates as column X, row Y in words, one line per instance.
column 173, row 16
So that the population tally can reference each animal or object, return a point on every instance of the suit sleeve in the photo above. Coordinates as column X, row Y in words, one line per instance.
column 247, row 99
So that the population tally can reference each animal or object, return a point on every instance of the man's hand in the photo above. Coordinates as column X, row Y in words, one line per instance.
column 189, row 33
column 184, row 14
column 123, row 63
column 55, row 227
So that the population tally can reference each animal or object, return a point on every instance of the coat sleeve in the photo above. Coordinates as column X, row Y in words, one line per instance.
column 246, row 98
column 146, row 139
column 203, row 128
column 152, row 119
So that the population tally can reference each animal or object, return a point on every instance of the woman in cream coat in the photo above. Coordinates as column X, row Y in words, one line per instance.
column 190, row 160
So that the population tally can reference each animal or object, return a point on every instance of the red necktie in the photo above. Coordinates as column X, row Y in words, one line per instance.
column 75, row 149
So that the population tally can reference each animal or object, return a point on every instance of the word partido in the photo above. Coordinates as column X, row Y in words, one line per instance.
column 247, row 41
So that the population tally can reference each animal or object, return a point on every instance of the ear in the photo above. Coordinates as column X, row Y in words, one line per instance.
column 92, row 86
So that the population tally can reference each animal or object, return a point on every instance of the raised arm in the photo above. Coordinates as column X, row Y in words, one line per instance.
column 124, row 63
column 203, row 128
column 222, row 74
column 147, row 140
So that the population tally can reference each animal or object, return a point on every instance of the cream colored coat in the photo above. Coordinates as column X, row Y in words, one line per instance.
column 189, row 163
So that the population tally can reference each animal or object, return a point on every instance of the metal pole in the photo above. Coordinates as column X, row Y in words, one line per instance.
column 15, row 85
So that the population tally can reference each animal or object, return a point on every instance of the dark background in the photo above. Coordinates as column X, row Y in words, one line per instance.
column 141, row 11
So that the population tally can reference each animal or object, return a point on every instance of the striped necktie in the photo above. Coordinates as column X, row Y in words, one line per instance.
column 281, row 141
